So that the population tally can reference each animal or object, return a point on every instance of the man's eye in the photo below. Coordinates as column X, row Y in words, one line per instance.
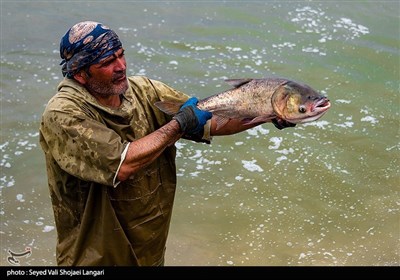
column 106, row 63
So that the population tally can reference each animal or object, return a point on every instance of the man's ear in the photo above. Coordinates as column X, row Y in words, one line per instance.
column 81, row 77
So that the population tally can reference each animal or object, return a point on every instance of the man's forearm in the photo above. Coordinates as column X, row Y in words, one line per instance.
column 145, row 150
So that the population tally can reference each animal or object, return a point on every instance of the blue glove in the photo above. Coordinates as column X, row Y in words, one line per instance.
column 190, row 118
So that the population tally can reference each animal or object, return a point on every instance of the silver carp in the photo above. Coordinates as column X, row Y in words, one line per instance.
column 256, row 101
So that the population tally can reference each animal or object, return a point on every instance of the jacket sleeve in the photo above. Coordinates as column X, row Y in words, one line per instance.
column 81, row 145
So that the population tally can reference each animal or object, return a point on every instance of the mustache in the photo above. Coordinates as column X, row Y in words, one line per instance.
column 118, row 76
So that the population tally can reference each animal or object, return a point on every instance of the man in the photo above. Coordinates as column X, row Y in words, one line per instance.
column 110, row 153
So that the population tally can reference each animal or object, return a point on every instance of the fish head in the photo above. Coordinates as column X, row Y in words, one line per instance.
column 298, row 103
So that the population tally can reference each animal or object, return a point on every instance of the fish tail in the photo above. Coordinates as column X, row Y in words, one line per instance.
column 168, row 107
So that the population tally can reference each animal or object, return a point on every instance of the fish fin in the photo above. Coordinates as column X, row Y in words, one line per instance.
column 168, row 107
column 221, row 121
column 237, row 82
column 257, row 120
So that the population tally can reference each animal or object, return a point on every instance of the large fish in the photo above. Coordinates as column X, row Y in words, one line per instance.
column 256, row 101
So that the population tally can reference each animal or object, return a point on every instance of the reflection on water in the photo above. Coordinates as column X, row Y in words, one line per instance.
column 323, row 193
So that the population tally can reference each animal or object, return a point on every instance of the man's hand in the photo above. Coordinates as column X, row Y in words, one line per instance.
column 190, row 118
column 281, row 123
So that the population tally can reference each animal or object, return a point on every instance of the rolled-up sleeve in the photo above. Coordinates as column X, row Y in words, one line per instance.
column 123, row 156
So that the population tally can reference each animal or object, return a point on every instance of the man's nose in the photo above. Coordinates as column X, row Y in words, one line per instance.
column 120, row 64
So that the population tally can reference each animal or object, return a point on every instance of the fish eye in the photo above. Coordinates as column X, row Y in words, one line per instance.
column 302, row 109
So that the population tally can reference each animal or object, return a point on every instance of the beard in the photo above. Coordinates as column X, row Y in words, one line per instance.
column 106, row 89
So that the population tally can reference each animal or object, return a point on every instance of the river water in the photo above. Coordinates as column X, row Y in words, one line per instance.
column 322, row 193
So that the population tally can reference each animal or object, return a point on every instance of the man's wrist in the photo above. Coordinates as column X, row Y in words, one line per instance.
column 186, row 119
column 175, row 125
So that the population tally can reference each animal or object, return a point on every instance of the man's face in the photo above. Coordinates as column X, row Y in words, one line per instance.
column 108, row 77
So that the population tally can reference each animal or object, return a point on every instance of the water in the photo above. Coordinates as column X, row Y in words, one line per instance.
column 324, row 193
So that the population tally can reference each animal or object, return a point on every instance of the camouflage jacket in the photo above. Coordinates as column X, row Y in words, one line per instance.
column 97, row 223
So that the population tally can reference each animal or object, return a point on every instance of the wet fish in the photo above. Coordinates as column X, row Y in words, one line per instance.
column 256, row 101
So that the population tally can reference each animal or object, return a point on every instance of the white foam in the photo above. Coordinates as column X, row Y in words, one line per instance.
column 239, row 178
column 252, row 166
column 345, row 124
column 319, row 124
column 279, row 159
column 276, row 141
column 370, row 119
column 48, row 228
column 343, row 101
column 20, row 197
column 256, row 130
column 285, row 151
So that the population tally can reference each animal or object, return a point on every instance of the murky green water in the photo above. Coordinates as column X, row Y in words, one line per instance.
column 324, row 193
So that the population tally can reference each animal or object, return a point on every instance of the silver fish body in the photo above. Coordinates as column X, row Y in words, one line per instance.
column 262, row 100
column 248, row 100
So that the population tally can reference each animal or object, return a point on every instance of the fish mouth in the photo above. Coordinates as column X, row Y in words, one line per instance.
column 321, row 105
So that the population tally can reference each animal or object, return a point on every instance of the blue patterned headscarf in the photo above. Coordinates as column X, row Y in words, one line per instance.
column 86, row 43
